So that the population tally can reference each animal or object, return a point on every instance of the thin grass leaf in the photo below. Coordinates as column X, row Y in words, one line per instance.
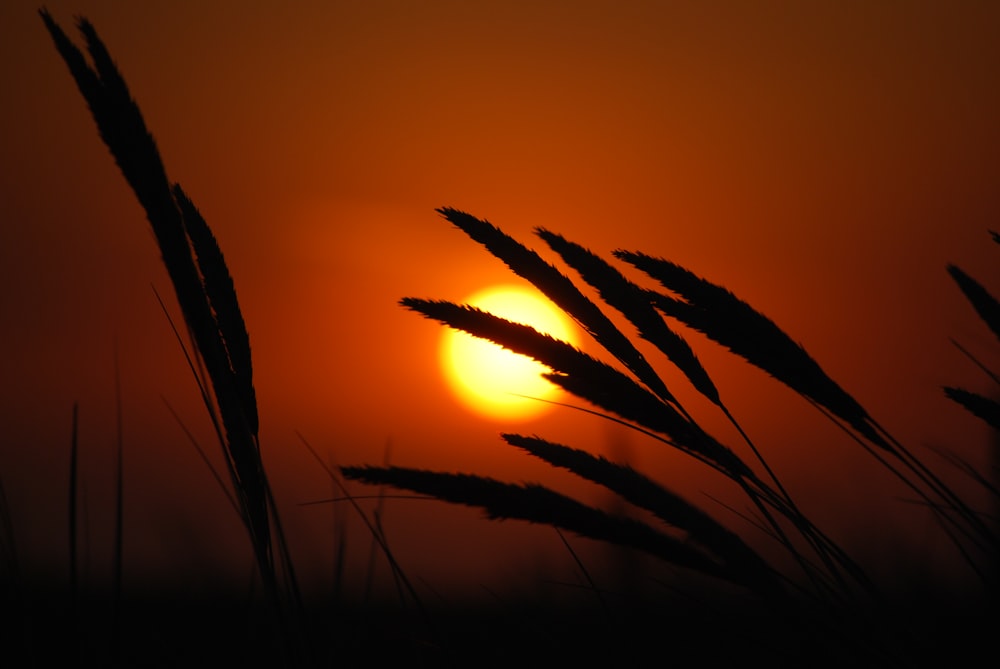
column 982, row 407
column 557, row 287
column 986, row 306
column 969, row 470
column 339, row 533
column 204, row 457
column 591, row 584
column 721, row 316
column 537, row 504
column 967, row 523
column 632, row 301
column 978, row 363
column 373, row 529
column 377, row 522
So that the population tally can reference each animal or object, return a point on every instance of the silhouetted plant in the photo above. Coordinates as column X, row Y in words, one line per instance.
column 637, row 396
column 204, row 291
column 987, row 307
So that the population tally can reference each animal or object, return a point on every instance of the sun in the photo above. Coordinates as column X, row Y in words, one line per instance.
column 492, row 381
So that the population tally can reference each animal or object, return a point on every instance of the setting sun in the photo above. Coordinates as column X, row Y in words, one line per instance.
column 491, row 380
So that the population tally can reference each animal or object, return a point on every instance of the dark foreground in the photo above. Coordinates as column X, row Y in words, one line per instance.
column 197, row 629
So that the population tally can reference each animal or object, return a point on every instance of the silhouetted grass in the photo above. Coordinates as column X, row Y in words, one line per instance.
column 204, row 290
column 557, row 287
column 728, row 320
column 614, row 391
column 814, row 616
column 596, row 381
column 637, row 396
column 641, row 491
column 633, row 303
column 731, row 322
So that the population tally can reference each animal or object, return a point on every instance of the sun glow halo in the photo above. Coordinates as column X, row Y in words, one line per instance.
column 487, row 378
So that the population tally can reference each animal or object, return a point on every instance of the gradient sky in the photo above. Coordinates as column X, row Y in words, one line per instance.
column 824, row 160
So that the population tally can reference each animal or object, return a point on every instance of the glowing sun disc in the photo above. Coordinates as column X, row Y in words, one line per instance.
column 487, row 378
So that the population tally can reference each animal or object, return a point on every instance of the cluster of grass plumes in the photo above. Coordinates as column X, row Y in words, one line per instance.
column 731, row 322
column 631, row 392
column 220, row 357
column 636, row 395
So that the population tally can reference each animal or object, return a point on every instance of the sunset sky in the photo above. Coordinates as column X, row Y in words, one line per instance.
column 823, row 160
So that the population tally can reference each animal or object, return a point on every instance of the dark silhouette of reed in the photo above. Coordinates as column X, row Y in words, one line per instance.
column 205, row 292
column 638, row 397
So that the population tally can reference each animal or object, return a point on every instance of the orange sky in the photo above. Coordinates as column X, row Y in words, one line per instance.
column 823, row 160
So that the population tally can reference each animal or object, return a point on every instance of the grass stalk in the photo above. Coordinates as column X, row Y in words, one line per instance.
column 373, row 529
column 591, row 584
column 978, row 363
